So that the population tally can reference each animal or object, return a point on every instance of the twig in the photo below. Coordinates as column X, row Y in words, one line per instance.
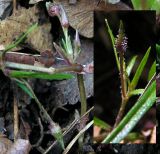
column 77, row 137
column 14, row 6
column 16, row 120
column 41, row 134
column 72, row 125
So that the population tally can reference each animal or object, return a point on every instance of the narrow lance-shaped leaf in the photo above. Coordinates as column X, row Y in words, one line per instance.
column 101, row 123
column 23, row 74
column 143, row 104
column 136, row 4
column 113, row 44
column 152, row 70
column 139, row 70
column 158, row 48
column 24, row 88
column 149, row 3
column 130, row 65
column 54, row 127
column 136, row 92
column 158, row 52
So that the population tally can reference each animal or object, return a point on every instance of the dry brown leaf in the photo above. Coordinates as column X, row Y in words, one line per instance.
column 5, row 144
column 80, row 15
column 13, row 26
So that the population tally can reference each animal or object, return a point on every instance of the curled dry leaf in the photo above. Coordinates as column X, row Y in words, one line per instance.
column 12, row 27
column 80, row 15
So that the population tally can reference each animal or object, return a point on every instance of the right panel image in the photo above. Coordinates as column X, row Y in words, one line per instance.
column 124, row 81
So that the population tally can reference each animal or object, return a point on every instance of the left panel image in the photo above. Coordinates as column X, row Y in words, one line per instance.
column 46, row 77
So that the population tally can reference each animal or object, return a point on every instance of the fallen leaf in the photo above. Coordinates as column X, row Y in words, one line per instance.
column 12, row 27
column 80, row 15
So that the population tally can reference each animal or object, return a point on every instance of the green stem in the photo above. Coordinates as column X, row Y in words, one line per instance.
column 51, row 70
column 82, row 93
column 122, row 75
column 83, row 103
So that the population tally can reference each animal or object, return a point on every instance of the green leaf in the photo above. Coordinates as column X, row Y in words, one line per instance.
column 139, row 70
column 130, row 65
column 24, row 88
column 149, row 4
column 113, row 43
column 101, row 123
column 136, row 92
column 57, row 133
column 23, row 74
column 143, row 104
column 158, row 49
column 142, row 5
column 152, row 70
column 136, row 4
column 155, row 6
column 131, row 137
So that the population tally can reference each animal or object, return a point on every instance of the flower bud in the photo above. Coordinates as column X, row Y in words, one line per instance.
column 121, row 40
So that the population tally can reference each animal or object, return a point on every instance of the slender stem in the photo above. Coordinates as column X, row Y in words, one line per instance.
column 83, row 103
column 122, row 75
column 120, row 113
column 123, row 90
column 82, row 93
column 51, row 70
